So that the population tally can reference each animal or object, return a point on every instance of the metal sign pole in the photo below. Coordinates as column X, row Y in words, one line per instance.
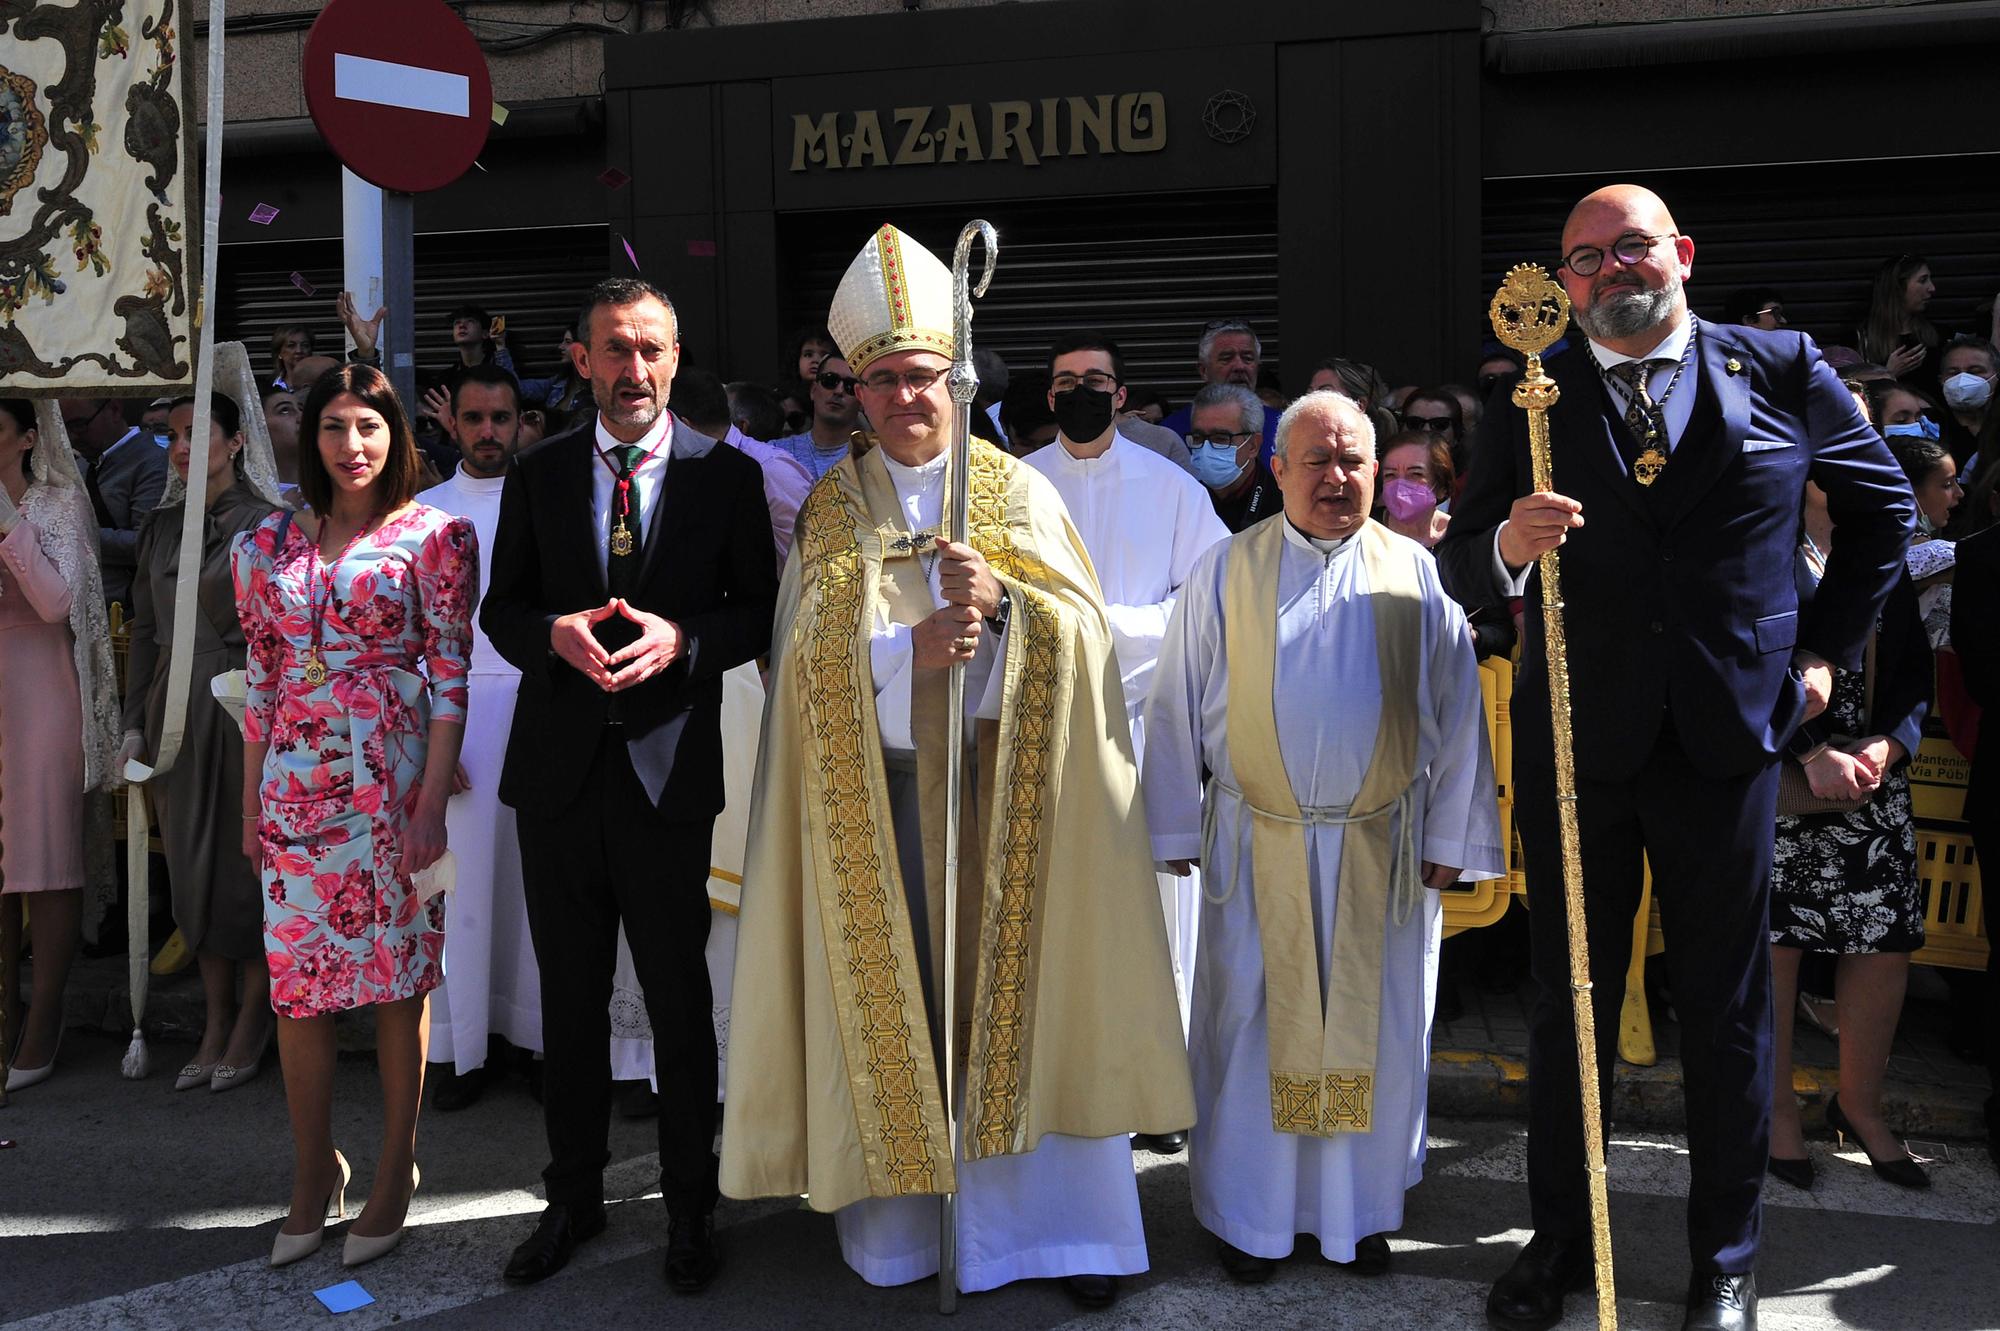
column 399, row 294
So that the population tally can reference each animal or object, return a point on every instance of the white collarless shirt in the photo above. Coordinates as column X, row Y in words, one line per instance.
column 646, row 482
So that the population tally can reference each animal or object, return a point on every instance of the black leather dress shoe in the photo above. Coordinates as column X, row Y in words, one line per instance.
column 1371, row 1256
column 1529, row 1297
column 1092, row 1291
column 458, row 1090
column 1160, row 1143
column 692, row 1257
column 1722, row 1303
column 548, row 1249
column 1242, row 1267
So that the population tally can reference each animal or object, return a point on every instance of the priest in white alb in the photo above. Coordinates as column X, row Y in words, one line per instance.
column 1066, row 1036
column 491, row 984
column 1144, row 522
column 1318, row 672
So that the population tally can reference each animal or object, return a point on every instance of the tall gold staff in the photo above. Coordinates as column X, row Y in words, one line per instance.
column 964, row 385
column 1529, row 312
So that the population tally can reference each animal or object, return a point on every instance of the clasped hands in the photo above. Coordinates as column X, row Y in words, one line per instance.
column 658, row 646
column 971, row 593
column 1852, row 771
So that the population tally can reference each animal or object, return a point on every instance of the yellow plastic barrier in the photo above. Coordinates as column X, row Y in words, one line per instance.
column 1938, row 773
column 1948, row 872
column 1954, row 924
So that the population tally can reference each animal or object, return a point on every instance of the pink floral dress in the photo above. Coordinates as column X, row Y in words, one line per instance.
column 341, row 926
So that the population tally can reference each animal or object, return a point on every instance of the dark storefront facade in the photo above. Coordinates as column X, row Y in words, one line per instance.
column 1352, row 178
column 523, row 234
column 1232, row 168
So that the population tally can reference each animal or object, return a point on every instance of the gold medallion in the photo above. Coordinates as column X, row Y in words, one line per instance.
column 315, row 671
column 621, row 540
column 1649, row 466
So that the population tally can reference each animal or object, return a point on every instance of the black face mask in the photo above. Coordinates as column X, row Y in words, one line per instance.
column 1083, row 413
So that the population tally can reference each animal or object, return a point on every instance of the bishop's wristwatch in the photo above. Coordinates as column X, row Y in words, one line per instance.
column 997, row 621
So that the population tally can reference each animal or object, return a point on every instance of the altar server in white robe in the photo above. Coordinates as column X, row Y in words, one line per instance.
column 491, row 986
column 1144, row 522
column 1317, row 669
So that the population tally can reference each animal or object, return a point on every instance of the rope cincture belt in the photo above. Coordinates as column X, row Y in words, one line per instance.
column 1406, row 884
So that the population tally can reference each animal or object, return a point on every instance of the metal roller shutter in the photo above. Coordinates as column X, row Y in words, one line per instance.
column 1148, row 271
column 537, row 278
column 1816, row 232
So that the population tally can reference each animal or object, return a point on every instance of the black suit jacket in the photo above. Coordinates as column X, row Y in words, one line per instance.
column 706, row 566
column 1975, row 636
column 1681, row 600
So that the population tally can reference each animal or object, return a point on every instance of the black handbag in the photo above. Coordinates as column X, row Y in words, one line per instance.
column 1795, row 792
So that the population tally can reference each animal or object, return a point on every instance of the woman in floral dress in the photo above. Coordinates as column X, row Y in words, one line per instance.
column 1845, row 882
column 358, row 622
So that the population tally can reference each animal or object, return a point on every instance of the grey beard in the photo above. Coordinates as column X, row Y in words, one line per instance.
column 1629, row 313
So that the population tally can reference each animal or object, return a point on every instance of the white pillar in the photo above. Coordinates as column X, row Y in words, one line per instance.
column 361, row 249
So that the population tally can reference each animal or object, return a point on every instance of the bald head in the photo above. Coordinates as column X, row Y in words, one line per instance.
column 1623, row 207
column 1633, row 261
column 1324, row 463
column 308, row 371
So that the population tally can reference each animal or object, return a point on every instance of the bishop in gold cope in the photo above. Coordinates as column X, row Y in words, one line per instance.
column 1068, row 1035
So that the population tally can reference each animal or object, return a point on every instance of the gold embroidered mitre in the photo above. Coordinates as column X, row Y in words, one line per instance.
column 896, row 296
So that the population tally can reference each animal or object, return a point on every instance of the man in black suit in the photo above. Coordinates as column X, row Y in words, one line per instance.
column 1975, row 636
column 1688, row 446
column 631, row 569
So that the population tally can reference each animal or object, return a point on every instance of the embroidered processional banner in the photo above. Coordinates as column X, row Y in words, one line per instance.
column 97, row 200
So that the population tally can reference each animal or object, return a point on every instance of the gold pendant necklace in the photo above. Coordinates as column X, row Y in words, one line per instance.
column 621, row 539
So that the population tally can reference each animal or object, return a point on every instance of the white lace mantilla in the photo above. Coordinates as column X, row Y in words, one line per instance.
column 68, row 528
column 260, row 467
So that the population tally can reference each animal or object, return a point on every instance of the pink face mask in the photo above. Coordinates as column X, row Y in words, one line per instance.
column 1406, row 501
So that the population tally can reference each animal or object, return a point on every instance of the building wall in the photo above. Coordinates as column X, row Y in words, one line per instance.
column 267, row 42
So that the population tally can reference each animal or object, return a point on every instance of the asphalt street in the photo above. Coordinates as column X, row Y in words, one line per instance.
column 124, row 1205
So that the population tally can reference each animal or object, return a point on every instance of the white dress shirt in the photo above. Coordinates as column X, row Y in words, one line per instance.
column 646, row 481
column 1677, row 411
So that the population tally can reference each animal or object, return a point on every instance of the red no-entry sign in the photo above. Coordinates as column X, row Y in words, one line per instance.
column 399, row 91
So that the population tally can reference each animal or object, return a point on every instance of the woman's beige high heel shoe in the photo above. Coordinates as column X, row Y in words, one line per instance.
column 289, row 1248
column 364, row 1248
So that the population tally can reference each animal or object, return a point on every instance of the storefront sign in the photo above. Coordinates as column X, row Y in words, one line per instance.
column 1021, row 129
column 1016, row 131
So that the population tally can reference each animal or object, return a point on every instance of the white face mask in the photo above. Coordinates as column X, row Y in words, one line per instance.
column 1966, row 391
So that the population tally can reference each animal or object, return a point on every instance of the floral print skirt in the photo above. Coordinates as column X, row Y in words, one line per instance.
column 342, row 927
column 1847, row 882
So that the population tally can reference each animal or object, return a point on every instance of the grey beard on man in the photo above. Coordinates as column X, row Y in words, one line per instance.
column 1628, row 312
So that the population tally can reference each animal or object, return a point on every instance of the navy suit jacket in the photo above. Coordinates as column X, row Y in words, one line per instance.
column 705, row 564
column 1681, row 600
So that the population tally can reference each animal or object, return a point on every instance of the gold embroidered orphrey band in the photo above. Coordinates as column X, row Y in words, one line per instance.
column 1322, row 1066
column 867, row 927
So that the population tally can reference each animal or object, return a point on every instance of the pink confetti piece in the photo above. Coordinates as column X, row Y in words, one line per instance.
column 628, row 252
column 701, row 249
column 612, row 178
column 299, row 281
column 263, row 214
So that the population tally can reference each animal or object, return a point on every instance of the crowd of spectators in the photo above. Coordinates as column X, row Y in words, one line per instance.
column 1928, row 390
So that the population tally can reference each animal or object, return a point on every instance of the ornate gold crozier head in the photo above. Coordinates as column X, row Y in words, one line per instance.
column 1530, row 312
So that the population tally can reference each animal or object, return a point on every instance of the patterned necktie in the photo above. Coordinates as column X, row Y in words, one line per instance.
column 621, row 566
column 1642, row 418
